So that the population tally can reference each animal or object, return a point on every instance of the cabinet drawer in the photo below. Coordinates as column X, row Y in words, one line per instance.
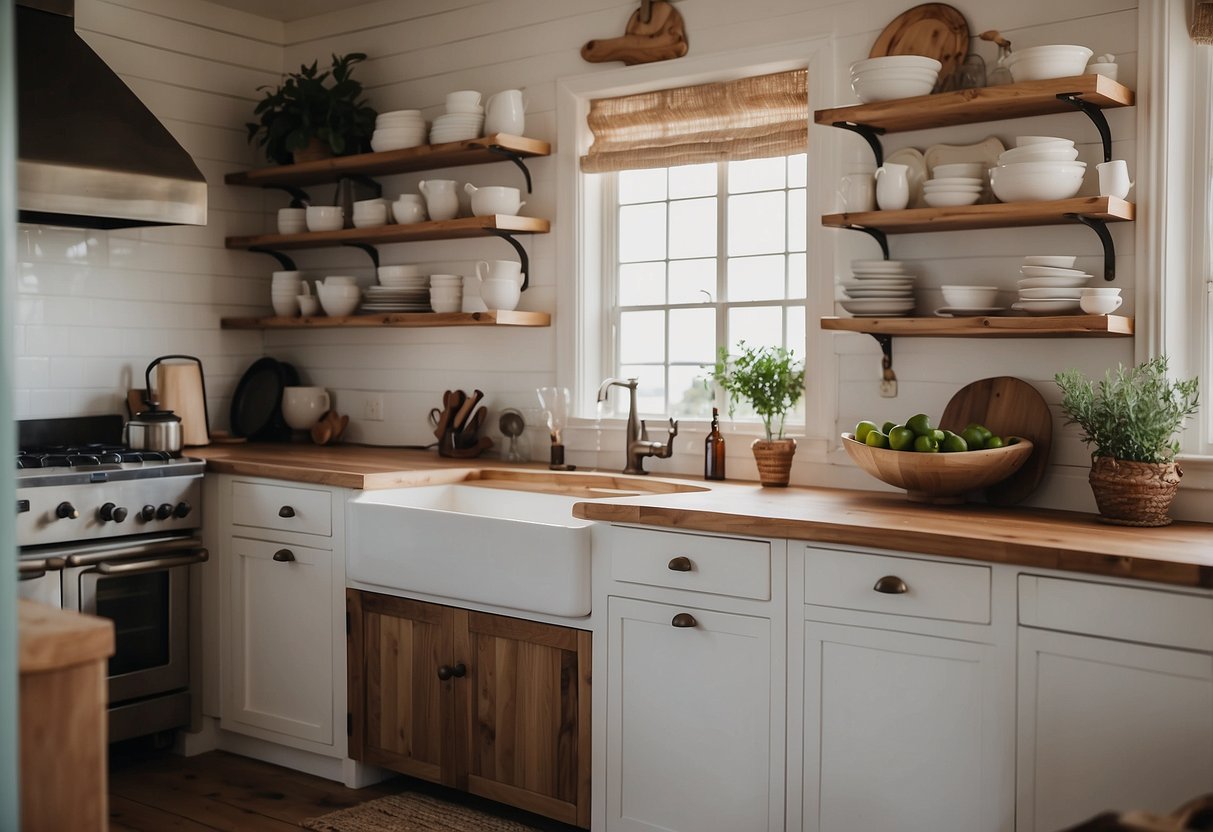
column 946, row 591
column 697, row 563
column 283, row 508
column 1149, row 616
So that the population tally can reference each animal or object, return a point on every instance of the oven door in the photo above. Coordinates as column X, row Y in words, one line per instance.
column 39, row 580
column 146, row 594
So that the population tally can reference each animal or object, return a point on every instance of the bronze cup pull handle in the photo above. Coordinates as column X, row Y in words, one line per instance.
column 891, row 585
column 284, row 556
column 446, row 672
column 680, row 564
column 286, row 511
column 684, row 619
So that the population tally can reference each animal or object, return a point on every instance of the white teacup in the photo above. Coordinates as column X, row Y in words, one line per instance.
column 500, row 294
column 463, row 101
column 500, row 270
column 1114, row 178
column 302, row 407
column 308, row 305
column 1100, row 304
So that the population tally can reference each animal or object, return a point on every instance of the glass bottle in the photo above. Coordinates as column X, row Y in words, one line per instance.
column 713, row 451
column 1001, row 74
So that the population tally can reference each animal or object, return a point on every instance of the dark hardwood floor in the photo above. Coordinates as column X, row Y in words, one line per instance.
column 155, row 791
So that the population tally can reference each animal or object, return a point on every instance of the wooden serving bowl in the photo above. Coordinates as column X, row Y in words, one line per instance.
column 938, row 478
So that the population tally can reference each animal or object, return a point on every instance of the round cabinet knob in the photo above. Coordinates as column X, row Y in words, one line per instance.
column 147, row 514
column 110, row 512
column 683, row 619
column 165, row 511
column 66, row 511
column 891, row 585
column 680, row 564
column 182, row 510
column 284, row 556
column 446, row 672
column 286, row 511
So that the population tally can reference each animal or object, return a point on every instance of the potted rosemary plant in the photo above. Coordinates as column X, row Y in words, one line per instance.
column 1131, row 418
column 314, row 115
column 772, row 381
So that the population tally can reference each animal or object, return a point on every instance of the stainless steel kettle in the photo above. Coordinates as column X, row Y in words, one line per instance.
column 154, row 429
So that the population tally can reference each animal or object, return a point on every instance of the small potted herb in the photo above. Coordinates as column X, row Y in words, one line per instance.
column 772, row 381
column 314, row 115
column 1131, row 418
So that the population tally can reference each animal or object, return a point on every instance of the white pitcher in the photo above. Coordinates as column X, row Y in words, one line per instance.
column 892, row 187
column 441, row 200
column 505, row 112
column 510, row 270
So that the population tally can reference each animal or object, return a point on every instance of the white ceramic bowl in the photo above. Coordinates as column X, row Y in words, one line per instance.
column 400, row 270
column 969, row 170
column 382, row 144
column 970, row 297
column 940, row 181
column 1053, row 282
column 1046, row 307
column 496, row 199
column 1100, row 304
column 1054, row 293
column 948, row 186
column 398, row 116
column 292, row 220
column 1043, row 152
column 1024, row 141
column 1056, row 261
column 1036, row 181
column 325, row 218
column 1050, row 271
column 1099, row 290
column 894, row 74
column 871, row 90
column 338, row 301
column 950, row 199
column 896, row 61
column 1037, row 63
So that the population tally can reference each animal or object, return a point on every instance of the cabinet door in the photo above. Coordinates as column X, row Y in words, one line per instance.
column 693, row 723
column 528, row 718
column 1109, row 725
column 903, row 732
column 402, row 713
column 281, row 648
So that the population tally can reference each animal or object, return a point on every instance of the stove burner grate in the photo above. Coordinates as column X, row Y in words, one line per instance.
column 85, row 456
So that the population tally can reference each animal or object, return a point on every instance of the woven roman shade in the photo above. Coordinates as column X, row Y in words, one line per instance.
column 750, row 118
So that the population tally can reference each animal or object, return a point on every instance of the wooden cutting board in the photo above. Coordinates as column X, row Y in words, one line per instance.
column 1009, row 407
column 933, row 30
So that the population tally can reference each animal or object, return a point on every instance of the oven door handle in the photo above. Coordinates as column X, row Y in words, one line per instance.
column 139, row 567
column 30, row 570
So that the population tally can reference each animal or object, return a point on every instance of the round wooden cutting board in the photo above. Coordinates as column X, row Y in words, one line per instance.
column 933, row 30
column 1009, row 407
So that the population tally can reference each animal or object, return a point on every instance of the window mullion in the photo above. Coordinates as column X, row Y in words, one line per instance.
column 722, row 264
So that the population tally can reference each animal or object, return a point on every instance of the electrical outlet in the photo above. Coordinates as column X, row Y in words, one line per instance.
column 372, row 407
column 888, row 389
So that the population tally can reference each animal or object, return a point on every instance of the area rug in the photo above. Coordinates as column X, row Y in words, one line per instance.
column 411, row 812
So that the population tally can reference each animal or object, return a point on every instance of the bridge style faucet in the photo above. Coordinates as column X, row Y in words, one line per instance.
column 638, row 444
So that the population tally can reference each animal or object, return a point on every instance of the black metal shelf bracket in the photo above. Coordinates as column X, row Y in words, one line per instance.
column 522, row 255
column 370, row 250
column 870, row 134
column 287, row 263
column 1095, row 113
column 888, row 379
column 876, row 234
column 299, row 197
column 1109, row 248
column 516, row 159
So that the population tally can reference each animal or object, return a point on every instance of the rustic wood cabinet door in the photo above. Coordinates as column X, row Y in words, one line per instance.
column 402, row 713
column 528, row 714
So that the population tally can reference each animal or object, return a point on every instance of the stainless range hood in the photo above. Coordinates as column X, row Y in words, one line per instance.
column 90, row 154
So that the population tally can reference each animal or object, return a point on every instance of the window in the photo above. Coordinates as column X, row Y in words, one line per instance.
column 705, row 255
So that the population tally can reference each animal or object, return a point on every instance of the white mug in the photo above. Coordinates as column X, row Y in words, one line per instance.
column 500, row 270
column 892, row 187
column 858, row 192
column 441, row 200
column 463, row 101
column 308, row 304
column 500, row 294
column 505, row 112
column 302, row 407
column 1114, row 178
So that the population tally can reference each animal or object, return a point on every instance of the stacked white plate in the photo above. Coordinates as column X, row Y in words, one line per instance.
column 880, row 288
column 1038, row 168
column 456, row 127
column 397, row 130
column 414, row 298
column 1050, row 286
column 950, row 191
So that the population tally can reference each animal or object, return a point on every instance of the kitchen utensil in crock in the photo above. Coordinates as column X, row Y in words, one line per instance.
column 181, row 388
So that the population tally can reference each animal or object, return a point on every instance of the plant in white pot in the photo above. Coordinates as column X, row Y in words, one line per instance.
column 772, row 381
column 1131, row 419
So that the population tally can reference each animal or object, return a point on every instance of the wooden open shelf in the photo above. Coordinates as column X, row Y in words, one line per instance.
column 995, row 215
column 425, row 157
column 443, row 230
column 395, row 319
column 1031, row 98
column 994, row 326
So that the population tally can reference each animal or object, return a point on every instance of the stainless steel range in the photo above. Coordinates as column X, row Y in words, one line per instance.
column 111, row 532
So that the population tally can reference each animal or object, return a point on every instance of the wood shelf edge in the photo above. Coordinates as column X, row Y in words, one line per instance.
column 989, row 215
column 1061, row 326
column 397, row 233
column 416, row 320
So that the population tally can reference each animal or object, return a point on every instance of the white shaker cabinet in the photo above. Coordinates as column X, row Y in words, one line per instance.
column 1106, row 723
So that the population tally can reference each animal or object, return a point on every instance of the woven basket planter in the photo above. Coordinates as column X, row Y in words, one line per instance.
column 315, row 151
column 774, row 460
column 1134, row 493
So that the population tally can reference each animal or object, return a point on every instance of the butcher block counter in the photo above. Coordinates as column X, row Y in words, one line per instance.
column 1180, row 554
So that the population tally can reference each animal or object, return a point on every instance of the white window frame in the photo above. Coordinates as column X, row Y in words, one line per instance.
column 581, row 335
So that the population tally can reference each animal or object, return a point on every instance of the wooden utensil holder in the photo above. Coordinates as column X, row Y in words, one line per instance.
column 448, row 446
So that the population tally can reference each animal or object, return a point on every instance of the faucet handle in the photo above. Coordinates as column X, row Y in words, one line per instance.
column 644, row 431
column 673, row 429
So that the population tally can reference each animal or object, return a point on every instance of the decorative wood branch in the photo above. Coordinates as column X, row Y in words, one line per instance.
column 657, row 36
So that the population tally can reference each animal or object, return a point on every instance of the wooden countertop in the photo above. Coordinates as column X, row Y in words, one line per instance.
column 1180, row 554
column 51, row 638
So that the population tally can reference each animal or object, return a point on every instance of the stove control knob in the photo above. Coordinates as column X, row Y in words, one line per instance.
column 109, row 511
column 66, row 511
column 147, row 514
column 183, row 509
column 165, row 511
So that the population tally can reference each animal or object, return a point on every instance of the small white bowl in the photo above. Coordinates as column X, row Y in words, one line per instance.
column 1024, row 141
column 325, row 218
column 968, row 170
column 1056, row 293
column 1100, row 304
column 939, row 181
column 1036, row 63
column 292, row 220
column 1050, row 271
column 950, row 199
column 898, row 61
column 496, row 199
column 870, row 91
column 970, row 297
column 1056, row 261
column 1043, row 152
column 1046, row 307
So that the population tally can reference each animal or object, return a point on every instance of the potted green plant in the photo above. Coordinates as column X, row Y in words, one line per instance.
column 772, row 381
column 313, row 115
column 1131, row 418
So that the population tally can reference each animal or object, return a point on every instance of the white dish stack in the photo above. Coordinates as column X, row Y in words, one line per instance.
column 285, row 289
column 1050, row 285
column 446, row 292
column 463, row 120
column 955, row 184
column 881, row 288
column 1038, row 168
column 397, row 130
column 401, row 289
